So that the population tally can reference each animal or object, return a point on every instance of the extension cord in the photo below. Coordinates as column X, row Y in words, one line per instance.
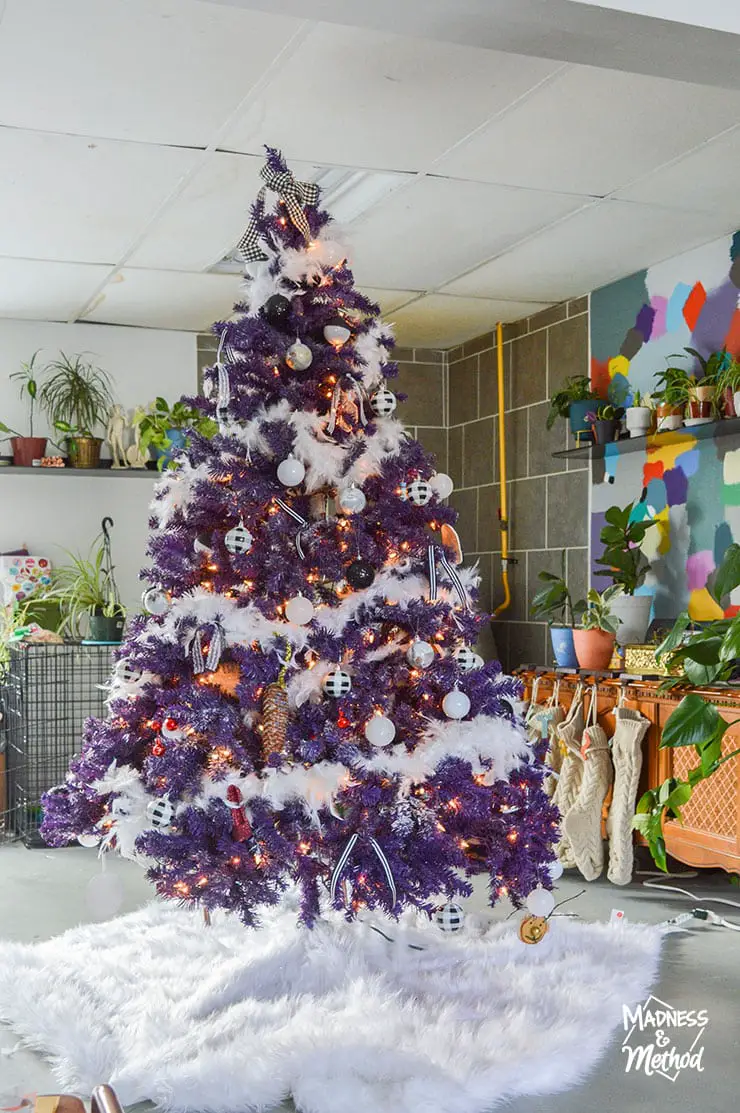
column 704, row 915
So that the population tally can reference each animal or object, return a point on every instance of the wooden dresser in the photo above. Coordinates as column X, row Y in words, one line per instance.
column 710, row 835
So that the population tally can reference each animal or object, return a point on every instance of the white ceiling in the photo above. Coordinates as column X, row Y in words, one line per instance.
column 130, row 153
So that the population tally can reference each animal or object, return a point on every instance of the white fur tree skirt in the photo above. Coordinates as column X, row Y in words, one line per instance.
column 222, row 1019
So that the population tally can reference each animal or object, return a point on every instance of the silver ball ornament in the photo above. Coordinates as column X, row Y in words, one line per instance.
column 456, row 704
column 351, row 500
column 420, row 654
column 299, row 356
column 155, row 600
column 291, row 472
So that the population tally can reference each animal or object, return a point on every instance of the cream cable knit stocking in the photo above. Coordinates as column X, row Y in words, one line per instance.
column 554, row 757
column 582, row 823
column 627, row 757
column 569, row 735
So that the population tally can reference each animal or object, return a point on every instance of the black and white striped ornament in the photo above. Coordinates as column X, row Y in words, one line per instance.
column 383, row 403
column 161, row 812
column 449, row 917
column 467, row 659
column 419, row 492
column 238, row 539
column 337, row 683
column 127, row 673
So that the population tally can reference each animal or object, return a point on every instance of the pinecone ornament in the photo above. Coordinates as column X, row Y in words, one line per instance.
column 274, row 718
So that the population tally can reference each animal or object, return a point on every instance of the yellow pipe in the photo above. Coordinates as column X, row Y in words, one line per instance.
column 503, row 501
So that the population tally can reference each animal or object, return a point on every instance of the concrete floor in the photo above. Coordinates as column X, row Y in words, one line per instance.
column 42, row 893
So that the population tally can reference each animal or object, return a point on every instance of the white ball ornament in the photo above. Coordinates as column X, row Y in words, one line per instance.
column 540, row 902
column 449, row 917
column 420, row 654
column 155, row 600
column 337, row 683
column 456, row 704
column 555, row 869
column 299, row 610
column 383, row 402
column 160, row 813
column 380, row 730
column 351, row 500
column 88, row 840
column 291, row 472
column 467, row 659
column 299, row 356
column 442, row 484
column 238, row 539
column 419, row 492
column 336, row 332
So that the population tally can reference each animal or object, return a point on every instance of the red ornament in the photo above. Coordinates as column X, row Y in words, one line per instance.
column 159, row 748
column 170, row 724
column 343, row 721
column 241, row 827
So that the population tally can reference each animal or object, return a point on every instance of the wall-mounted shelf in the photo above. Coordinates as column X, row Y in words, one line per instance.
column 728, row 427
column 111, row 473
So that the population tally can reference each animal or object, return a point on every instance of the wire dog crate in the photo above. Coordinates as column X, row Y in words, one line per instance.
column 45, row 697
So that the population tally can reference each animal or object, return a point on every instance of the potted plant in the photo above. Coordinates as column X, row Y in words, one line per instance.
column 625, row 563
column 728, row 386
column 702, row 405
column 700, row 657
column 553, row 602
column 573, row 401
column 638, row 416
column 671, row 397
column 77, row 397
column 594, row 638
column 605, row 422
column 87, row 594
column 30, row 448
column 163, row 428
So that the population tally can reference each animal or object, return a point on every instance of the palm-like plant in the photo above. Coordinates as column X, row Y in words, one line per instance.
column 76, row 396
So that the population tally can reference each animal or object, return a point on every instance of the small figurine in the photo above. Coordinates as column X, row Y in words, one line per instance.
column 135, row 457
column 114, row 434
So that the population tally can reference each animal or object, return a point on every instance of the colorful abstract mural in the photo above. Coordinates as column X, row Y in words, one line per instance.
column 690, row 483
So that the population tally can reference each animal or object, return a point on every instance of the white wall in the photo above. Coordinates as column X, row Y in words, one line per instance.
column 65, row 509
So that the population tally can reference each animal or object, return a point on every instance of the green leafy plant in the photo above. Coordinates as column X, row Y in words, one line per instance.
column 673, row 386
column 577, row 388
column 598, row 613
column 85, row 586
column 640, row 399
column 622, row 559
column 699, row 656
column 711, row 367
column 13, row 615
column 728, row 377
column 76, row 396
column 156, row 421
column 553, row 601
column 605, row 411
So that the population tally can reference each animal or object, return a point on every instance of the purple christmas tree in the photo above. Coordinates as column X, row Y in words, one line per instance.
column 302, row 702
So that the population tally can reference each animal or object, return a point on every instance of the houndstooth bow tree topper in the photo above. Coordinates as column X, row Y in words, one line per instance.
column 295, row 195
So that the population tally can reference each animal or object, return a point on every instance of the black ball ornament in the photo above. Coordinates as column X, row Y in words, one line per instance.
column 360, row 574
column 276, row 310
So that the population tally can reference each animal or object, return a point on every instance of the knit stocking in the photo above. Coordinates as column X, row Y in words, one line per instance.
column 627, row 757
column 582, row 823
column 568, row 734
column 533, row 721
column 554, row 759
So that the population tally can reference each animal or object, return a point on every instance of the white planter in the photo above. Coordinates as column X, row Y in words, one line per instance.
column 736, row 401
column 638, row 420
column 633, row 612
column 669, row 422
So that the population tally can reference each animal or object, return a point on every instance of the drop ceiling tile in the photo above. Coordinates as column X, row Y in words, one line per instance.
column 437, row 321
column 35, row 290
column 161, row 71
column 700, row 182
column 384, row 101
column 420, row 237
column 72, row 199
column 390, row 300
column 594, row 130
column 166, row 299
column 595, row 246
column 206, row 220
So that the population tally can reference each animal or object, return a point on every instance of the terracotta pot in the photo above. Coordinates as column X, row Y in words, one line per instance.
column 669, row 417
column 27, row 449
column 729, row 408
column 699, row 408
column 594, row 648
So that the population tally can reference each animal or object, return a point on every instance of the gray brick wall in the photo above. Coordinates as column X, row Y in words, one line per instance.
column 548, row 498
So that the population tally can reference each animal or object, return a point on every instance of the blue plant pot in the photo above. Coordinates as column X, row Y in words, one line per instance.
column 177, row 436
column 563, row 648
column 577, row 417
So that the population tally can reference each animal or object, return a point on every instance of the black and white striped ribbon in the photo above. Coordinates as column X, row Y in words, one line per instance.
column 296, row 518
column 345, row 857
column 211, row 661
column 224, row 387
column 295, row 195
column 432, row 557
column 336, row 400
